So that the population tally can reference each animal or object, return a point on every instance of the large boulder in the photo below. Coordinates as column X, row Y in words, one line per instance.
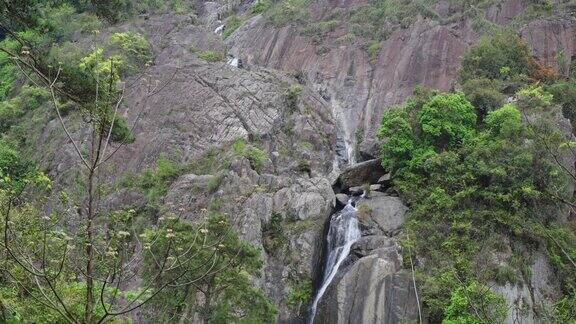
column 307, row 198
column 360, row 174
column 385, row 212
column 372, row 290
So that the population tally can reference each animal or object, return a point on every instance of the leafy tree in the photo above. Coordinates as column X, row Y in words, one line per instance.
column 474, row 304
column 447, row 119
column 484, row 94
column 228, row 294
column 499, row 56
column 467, row 180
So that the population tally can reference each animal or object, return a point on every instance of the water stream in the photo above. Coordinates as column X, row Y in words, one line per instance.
column 342, row 233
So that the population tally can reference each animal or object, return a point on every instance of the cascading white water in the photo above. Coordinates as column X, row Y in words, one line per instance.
column 342, row 233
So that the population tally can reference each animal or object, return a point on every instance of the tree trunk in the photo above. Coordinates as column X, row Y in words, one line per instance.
column 89, row 251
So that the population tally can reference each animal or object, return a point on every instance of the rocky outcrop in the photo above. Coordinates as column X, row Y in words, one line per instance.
column 382, row 211
column 360, row 88
column 360, row 174
column 370, row 285
column 372, row 289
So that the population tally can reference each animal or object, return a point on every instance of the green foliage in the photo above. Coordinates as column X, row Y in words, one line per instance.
column 484, row 94
column 134, row 48
column 260, row 6
column 232, row 23
column 289, row 12
column 398, row 146
column 257, row 158
column 565, row 309
column 62, row 21
column 111, row 10
column 7, row 75
column 304, row 166
column 293, row 95
column 155, row 182
column 11, row 111
column 378, row 19
column 228, row 294
column 447, row 118
column 499, row 56
column 475, row 304
column 255, row 155
column 121, row 132
column 274, row 237
column 13, row 167
column 564, row 94
column 210, row 56
column 373, row 49
column 505, row 121
column 300, row 293
column 320, row 28
column 469, row 179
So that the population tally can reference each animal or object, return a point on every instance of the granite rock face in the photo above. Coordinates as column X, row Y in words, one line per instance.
column 373, row 288
column 191, row 110
column 360, row 88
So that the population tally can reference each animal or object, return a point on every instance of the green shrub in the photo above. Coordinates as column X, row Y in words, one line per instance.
column 121, row 132
column 111, row 10
column 293, row 95
column 274, row 237
column 62, row 22
column 506, row 274
column 373, row 49
column 210, row 56
column 499, row 56
column 484, row 94
column 564, row 94
column 300, row 293
column 289, row 11
column 133, row 47
column 475, row 303
column 320, row 28
column 13, row 110
column 260, row 6
column 448, row 118
column 467, row 181
column 155, row 182
column 13, row 167
column 505, row 121
column 232, row 23
column 7, row 75
column 257, row 158
column 304, row 166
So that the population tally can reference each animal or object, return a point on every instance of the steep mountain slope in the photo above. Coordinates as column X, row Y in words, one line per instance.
column 425, row 51
column 273, row 143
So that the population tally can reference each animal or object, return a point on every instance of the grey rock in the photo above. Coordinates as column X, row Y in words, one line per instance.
column 369, row 149
column 362, row 173
column 307, row 198
column 366, row 245
column 385, row 180
column 375, row 187
column 356, row 191
column 387, row 212
column 371, row 291
column 342, row 199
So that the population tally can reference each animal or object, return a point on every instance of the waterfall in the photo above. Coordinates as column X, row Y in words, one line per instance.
column 342, row 233
column 219, row 30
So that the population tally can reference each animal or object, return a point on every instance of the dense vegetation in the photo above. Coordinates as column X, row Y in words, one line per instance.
column 485, row 180
column 62, row 60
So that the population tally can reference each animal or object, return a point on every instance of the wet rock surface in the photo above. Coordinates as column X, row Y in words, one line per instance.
column 367, row 172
